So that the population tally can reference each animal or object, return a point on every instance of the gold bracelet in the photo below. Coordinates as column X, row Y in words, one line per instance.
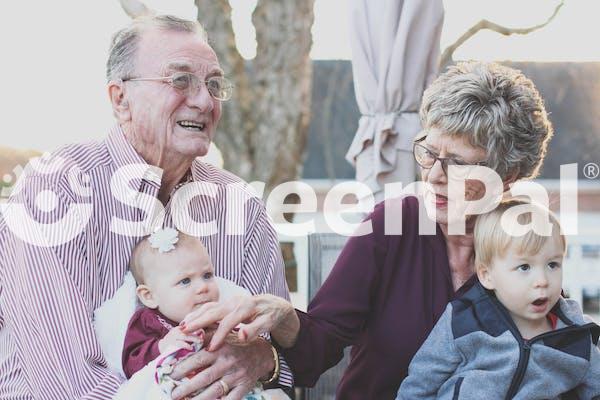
column 275, row 374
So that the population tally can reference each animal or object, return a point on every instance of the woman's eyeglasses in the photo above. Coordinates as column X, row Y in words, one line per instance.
column 426, row 158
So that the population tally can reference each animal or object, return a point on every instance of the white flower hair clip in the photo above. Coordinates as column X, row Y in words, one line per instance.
column 164, row 239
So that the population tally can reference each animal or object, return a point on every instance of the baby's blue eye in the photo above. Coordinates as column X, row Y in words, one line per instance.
column 208, row 275
column 553, row 265
column 185, row 281
column 524, row 267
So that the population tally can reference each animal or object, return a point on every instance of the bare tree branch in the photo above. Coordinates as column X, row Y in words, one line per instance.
column 485, row 24
column 135, row 8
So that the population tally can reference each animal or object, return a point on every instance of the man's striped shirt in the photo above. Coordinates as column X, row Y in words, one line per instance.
column 65, row 240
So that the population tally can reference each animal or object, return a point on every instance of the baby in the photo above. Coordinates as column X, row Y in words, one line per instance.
column 174, row 275
column 512, row 335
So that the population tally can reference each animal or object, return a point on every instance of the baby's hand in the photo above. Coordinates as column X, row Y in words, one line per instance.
column 177, row 339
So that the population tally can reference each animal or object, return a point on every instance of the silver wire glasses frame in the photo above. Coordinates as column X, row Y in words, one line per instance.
column 427, row 158
column 187, row 83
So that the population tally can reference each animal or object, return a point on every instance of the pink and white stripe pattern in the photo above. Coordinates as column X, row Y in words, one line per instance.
column 48, row 294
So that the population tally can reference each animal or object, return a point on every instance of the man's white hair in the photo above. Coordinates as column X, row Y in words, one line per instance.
column 124, row 43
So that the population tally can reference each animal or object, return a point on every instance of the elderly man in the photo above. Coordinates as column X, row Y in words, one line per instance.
column 68, row 231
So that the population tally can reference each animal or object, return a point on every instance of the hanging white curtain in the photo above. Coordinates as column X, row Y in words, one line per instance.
column 395, row 56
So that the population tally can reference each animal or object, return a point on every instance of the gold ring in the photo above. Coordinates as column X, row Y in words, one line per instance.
column 224, row 386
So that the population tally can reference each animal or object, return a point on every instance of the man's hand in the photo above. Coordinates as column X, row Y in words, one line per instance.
column 177, row 339
column 239, row 367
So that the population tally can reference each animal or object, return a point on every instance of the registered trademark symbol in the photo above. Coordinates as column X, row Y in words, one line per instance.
column 591, row 170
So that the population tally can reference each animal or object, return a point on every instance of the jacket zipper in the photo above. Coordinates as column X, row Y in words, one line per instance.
column 457, row 386
column 526, row 350
column 525, row 346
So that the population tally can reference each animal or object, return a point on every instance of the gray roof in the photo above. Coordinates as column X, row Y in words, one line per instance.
column 571, row 92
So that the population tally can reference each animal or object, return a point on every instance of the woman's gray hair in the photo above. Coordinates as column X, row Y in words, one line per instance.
column 124, row 42
column 498, row 109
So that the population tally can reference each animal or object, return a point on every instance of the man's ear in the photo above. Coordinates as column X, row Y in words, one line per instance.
column 145, row 295
column 484, row 276
column 120, row 106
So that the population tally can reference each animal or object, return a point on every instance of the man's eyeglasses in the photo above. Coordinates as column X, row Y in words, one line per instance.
column 189, row 84
column 426, row 158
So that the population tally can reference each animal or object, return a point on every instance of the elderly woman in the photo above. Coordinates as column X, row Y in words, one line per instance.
column 386, row 292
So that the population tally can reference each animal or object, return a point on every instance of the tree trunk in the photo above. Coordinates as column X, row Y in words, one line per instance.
column 215, row 16
column 262, row 134
column 283, row 72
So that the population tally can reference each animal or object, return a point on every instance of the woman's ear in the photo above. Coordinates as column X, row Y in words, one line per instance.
column 484, row 276
column 145, row 295
column 120, row 105
column 509, row 180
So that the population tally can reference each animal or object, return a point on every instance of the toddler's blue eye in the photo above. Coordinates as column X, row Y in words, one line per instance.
column 553, row 265
column 208, row 275
column 185, row 281
column 524, row 267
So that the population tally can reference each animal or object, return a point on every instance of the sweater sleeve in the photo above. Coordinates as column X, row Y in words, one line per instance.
column 435, row 362
column 141, row 342
column 338, row 313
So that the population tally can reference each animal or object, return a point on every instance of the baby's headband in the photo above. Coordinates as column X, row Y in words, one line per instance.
column 164, row 239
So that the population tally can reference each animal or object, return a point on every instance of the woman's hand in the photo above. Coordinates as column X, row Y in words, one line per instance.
column 251, row 315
